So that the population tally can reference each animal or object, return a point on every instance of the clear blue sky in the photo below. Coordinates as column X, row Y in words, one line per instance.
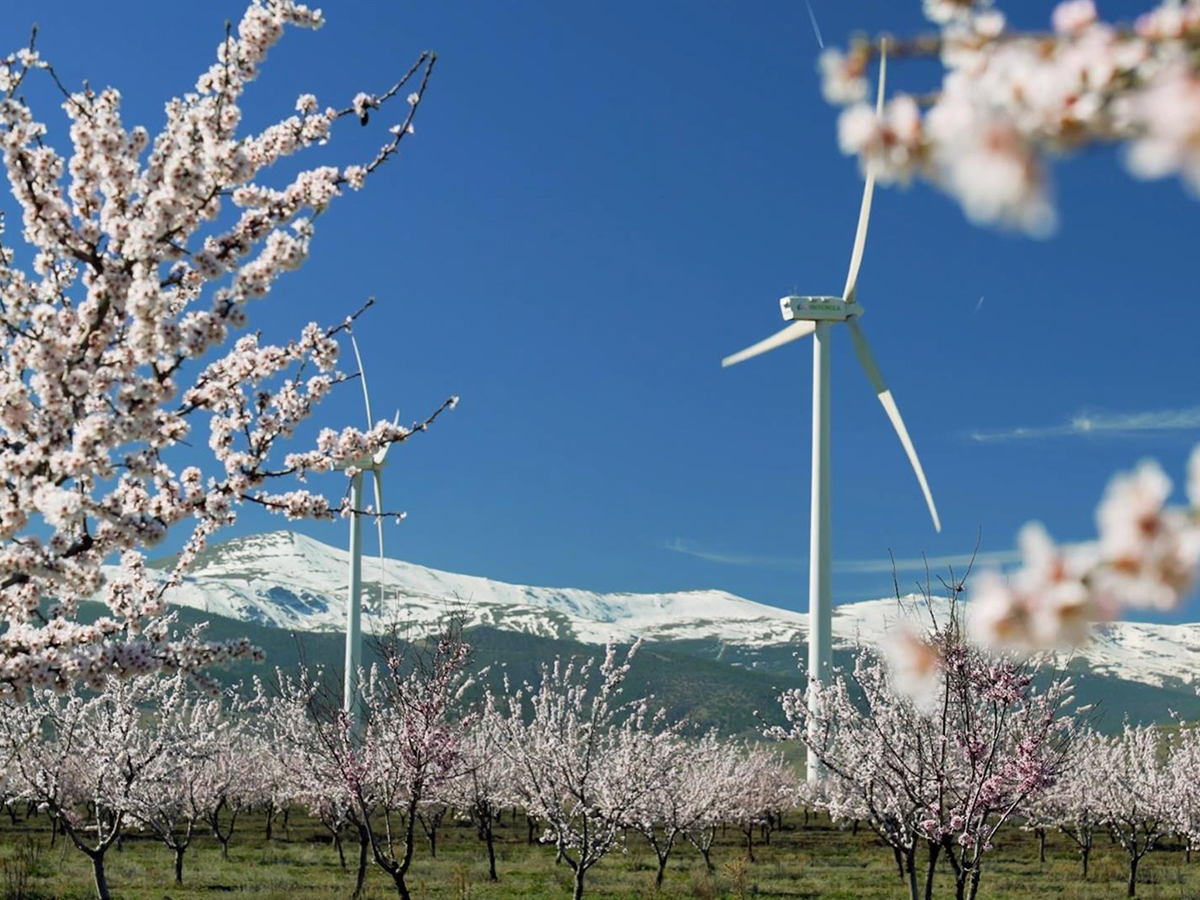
column 603, row 200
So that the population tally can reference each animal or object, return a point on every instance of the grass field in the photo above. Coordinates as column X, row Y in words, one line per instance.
column 816, row 861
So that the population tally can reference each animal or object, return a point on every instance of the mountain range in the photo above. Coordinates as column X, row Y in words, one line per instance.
column 284, row 583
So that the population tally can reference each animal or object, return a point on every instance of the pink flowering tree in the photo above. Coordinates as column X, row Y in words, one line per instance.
column 1073, row 805
column 143, row 255
column 948, row 762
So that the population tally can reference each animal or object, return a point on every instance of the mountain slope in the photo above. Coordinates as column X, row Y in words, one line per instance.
column 290, row 581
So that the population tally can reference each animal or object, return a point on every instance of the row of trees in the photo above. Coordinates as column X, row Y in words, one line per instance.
column 936, row 768
column 583, row 764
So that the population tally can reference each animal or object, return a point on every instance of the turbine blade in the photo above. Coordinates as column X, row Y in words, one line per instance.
column 867, row 360
column 379, row 524
column 864, row 212
column 362, row 376
column 793, row 332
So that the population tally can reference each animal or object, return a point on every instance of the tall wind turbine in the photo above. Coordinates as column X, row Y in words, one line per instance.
column 374, row 465
column 817, row 315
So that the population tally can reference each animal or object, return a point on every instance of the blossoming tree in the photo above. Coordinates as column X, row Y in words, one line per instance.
column 142, row 257
column 948, row 764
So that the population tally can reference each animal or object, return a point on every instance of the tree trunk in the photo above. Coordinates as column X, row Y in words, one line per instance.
column 1086, row 852
column 976, row 872
column 662, row 870
column 529, row 822
column 750, row 843
column 337, row 843
column 432, row 842
column 491, row 848
column 579, row 873
column 364, row 843
column 401, row 887
column 99, row 876
column 270, row 821
column 179, row 851
column 1133, row 864
column 899, row 861
column 910, row 863
column 935, row 850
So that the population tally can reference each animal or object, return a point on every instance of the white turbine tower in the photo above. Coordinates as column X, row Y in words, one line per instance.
column 817, row 315
column 374, row 465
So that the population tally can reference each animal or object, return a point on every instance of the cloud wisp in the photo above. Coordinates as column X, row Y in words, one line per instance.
column 846, row 566
column 1102, row 424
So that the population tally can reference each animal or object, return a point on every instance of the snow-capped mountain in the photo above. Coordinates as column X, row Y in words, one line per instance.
column 290, row 581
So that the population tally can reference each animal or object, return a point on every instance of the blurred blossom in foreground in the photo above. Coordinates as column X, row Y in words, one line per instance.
column 1010, row 101
column 1146, row 556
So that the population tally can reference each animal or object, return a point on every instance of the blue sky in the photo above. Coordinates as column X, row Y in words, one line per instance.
column 603, row 200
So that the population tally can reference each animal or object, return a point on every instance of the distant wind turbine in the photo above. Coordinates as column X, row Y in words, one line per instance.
column 809, row 315
column 373, row 464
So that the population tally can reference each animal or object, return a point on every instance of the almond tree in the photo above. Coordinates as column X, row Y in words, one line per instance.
column 299, row 722
column 410, row 744
column 117, row 342
column 584, row 757
column 485, row 787
column 1074, row 805
column 1185, row 776
column 764, row 784
column 1136, row 791
column 951, row 761
column 85, row 760
column 689, row 797
column 171, row 799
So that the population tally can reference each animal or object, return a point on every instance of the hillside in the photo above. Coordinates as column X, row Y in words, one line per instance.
column 720, row 655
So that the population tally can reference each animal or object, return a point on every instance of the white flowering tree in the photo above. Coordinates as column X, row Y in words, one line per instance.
column 172, row 798
column 486, row 784
column 585, row 757
column 142, row 255
column 695, row 790
column 88, row 761
column 1136, row 791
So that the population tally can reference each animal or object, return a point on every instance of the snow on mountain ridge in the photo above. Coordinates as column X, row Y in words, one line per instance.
column 292, row 581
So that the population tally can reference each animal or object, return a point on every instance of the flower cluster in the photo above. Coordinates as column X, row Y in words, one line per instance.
column 1146, row 556
column 1010, row 100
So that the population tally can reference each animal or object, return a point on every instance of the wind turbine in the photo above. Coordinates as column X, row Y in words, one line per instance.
column 816, row 315
column 374, row 465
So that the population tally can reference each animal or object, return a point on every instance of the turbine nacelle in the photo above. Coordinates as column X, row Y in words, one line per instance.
column 818, row 309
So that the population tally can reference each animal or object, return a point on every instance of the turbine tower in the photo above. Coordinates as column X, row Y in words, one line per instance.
column 817, row 315
column 374, row 465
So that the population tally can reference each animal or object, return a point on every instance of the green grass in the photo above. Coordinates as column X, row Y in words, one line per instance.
column 816, row 861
